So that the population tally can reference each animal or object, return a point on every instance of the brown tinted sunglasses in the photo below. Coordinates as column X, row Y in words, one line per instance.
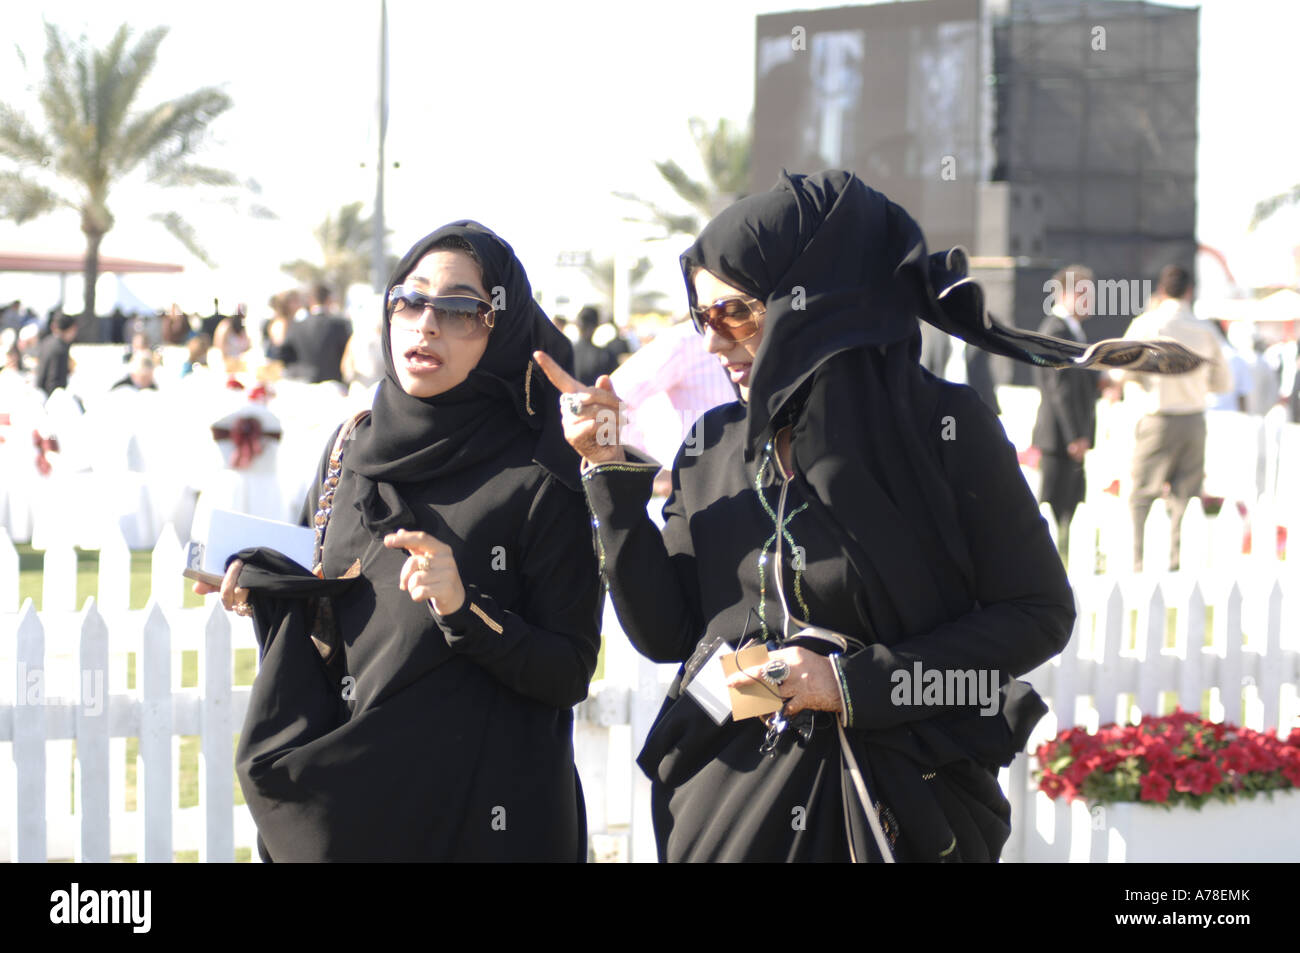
column 732, row 319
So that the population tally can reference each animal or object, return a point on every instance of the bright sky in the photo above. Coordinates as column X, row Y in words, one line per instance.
column 527, row 116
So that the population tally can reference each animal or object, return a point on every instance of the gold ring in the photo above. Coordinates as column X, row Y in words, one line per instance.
column 425, row 563
column 242, row 608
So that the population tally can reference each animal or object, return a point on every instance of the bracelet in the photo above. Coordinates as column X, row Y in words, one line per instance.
column 846, row 707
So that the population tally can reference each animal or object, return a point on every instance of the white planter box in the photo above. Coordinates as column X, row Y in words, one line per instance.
column 1251, row 830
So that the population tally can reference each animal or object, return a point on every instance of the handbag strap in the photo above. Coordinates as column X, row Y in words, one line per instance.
column 864, row 796
column 325, row 504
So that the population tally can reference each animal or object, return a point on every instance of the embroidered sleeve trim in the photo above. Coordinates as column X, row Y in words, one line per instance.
column 487, row 619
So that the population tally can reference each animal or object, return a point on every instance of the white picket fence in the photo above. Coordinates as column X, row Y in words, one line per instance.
column 64, row 680
column 1250, row 659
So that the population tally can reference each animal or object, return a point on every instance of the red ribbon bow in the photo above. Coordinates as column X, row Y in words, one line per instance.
column 43, row 446
column 248, row 439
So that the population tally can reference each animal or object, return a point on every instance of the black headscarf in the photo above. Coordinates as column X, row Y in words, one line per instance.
column 845, row 275
column 839, row 266
column 506, row 398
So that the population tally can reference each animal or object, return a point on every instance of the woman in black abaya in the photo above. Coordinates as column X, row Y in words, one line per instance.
column 458, row 573
column 847, row 489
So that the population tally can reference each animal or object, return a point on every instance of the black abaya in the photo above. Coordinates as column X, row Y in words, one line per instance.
column 918, row 533
column 447, row 740
column 435, row 737
column 715, row 797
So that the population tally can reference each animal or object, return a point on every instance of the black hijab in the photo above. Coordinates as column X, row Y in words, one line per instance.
column 506, row 398
column 845, row 275
column 840, row 267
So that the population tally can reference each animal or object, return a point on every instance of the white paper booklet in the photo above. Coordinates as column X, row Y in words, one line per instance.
column 227, row 532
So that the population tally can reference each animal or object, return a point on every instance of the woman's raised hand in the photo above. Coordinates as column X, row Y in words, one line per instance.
column 430, row 572
column 233, row 599
column 591, row 421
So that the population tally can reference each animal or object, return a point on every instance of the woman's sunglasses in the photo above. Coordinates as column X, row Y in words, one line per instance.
column 732, row 319
column 458, row 316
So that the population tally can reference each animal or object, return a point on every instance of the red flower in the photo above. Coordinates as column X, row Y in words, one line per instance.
column 1261, row 758
column 1291, row 771
column 1155, row 787
column 1076, row 772
column 1051, row 785
column 1159, row 756
column 1235, row 757
column 1188, row 776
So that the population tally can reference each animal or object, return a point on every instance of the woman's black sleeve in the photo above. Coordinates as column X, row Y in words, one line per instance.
column 1025, row 606
column 547, row 650
column 651, row 574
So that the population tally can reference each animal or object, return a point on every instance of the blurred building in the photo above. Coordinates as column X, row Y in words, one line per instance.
column 1033, row 132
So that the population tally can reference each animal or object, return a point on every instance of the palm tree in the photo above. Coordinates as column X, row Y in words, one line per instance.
column 601, row 276
column 95, row 136
column 725, row 149
column 345, row 242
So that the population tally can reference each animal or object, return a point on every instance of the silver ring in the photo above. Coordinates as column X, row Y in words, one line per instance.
column 242, row 608
column 776, row 671
column 571, row 404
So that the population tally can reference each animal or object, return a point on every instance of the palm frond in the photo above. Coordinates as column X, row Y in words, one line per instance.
column 304, row 271
column 56, row 94
column 21, row 199
column 184, row 233
column 670, row 223
column 19, row 140
column 187, row 173
column 104, row 67
column 725, row 150
column 345, row 240
column 170, row 131
column 122, row 84
column 62, row 100
column 695, row 193
column 1270, row 206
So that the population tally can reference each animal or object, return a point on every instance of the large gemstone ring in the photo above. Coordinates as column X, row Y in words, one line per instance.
column 776, row 671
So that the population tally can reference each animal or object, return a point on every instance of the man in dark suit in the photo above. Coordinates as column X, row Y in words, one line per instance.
column 53, row 364
column 318, row 341
column 590, row 360
column 1067, row 408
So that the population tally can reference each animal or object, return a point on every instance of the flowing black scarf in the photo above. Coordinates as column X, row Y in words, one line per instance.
column 841, row 267
column 506, row 398
column 845, row 276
